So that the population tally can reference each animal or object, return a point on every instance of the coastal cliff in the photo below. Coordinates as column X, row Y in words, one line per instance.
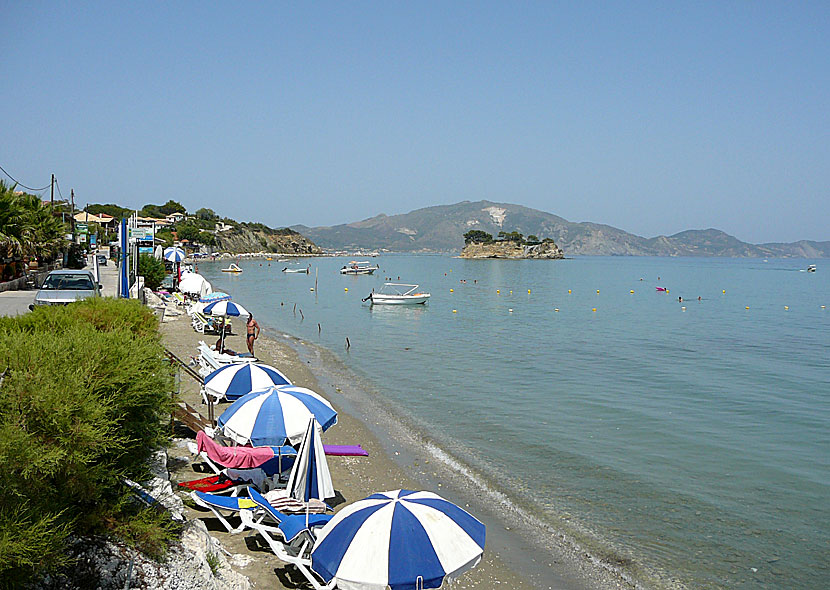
column 256, row 237
column 513, row 250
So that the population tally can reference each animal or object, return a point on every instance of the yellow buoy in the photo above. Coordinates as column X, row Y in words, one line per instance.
column 594, row 309
column 786, row 307
column 511, row 291
column 555, row 309
column 569, row 291
column 528, row 291
column 724, row 291
column 822, row 307
column 451, row 291
column 632, row 291
column 597, row 291
column 345, row 288
column 311, row 289
column 683, row 308
column 455, row 311
column 747, row 307
column 497, row 291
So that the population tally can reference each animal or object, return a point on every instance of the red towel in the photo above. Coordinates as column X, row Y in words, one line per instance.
column 215, row 483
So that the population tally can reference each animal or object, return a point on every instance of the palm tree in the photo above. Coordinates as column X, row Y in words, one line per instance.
column 27, row 227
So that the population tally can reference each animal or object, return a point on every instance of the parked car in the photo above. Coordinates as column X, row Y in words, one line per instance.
column 66, row 286
column 102, row 260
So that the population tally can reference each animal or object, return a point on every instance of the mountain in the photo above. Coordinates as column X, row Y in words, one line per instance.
column 441, row 229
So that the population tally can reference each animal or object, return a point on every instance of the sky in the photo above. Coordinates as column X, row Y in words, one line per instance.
column 651, row 117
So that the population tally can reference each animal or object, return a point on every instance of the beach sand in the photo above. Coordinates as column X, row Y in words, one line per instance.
column 354, row 477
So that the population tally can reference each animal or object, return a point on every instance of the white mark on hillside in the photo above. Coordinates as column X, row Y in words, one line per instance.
column 406, row 230
column 497, row 213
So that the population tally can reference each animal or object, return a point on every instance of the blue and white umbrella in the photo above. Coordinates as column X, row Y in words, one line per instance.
column 214, row 297
column 310, row 476
column 174, row 254
column 398, row 540
column 225, row 308
column 235, row 380
column 270, row 416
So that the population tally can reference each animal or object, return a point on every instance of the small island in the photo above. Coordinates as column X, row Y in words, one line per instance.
column 512, row 245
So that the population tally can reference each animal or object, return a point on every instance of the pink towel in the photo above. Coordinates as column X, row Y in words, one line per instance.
column 345, row 450
column 233, row 457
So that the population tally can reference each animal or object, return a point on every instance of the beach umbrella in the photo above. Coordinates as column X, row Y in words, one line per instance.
column 225, row 308
column 194, row 283
column 398, row 539
column 270, row 416
column 310, row 476
column 215, row 296
column 174, row 254
column 235, row 380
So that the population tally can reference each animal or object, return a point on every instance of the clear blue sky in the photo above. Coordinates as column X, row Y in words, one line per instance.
column 652, row 117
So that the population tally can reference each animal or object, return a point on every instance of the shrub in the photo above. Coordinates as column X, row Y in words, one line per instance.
column 85, row 401
column 152, row 269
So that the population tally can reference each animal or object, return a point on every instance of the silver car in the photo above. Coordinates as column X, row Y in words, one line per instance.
column 65, row 286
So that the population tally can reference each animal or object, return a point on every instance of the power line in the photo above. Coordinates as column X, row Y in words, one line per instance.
column 59, row 188
column 28, row 188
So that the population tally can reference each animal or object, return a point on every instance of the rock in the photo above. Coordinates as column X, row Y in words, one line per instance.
column 512, row 250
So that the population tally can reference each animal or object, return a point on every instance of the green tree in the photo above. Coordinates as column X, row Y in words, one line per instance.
column 151, row 210
column 476, row 236
column 109, row 209
column 532, row 238
column 27, row 226
column 172, row 206
column 189, row 232
column 207, row 238
column 152, row 269
column 206, row 214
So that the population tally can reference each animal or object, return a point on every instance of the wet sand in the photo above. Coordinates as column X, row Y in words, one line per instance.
column 354, row 477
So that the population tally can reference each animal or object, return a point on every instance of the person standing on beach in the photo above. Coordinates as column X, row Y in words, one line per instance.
column 253, row 332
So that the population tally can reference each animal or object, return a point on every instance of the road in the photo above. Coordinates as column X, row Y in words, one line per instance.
column 17, row 302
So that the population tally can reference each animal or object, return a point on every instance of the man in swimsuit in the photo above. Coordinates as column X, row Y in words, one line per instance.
column 253, row 332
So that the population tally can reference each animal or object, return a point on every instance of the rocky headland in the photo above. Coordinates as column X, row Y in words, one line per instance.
column 512, row 250
column 256, row 237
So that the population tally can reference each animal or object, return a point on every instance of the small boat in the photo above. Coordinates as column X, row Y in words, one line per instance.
column 811, row 268
column 358, row 268
column 294, row 270
column 232, row 268
column 397, row 294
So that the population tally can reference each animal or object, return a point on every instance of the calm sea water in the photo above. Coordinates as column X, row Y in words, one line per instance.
column 692, row 438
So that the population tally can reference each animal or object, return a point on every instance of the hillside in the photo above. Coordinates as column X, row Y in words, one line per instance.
column 256, row 237
column 441, row 229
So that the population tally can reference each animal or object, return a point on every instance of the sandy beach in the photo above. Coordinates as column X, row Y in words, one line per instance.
column 354, row 477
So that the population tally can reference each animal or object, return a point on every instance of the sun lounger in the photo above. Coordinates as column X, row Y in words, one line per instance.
column 219, row 504
column 271, row 461
column 293, row 537
column 210, row 360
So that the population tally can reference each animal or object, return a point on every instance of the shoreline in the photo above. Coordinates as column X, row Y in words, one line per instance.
column 354, row 478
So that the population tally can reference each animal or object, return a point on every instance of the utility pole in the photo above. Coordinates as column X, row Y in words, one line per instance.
column 72, row 213
column 52, row 193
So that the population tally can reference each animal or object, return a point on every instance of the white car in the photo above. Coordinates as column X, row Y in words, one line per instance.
column 66, row 286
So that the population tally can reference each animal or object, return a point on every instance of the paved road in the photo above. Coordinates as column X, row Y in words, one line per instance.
column 17, row 302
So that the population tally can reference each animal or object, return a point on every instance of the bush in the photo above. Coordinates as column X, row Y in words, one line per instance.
column 74, row 426
column 152, row 269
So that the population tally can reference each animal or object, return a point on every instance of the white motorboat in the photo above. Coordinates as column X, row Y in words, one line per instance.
column 397, row 294
column 296, row 270
column 232, row 268
column 358, row 268
column 811, row 268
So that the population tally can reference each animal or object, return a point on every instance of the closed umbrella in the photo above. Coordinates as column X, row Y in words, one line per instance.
column 235, row 380
column 270, row 416
column 310, row 476
column 398, row 539
column 194, row 283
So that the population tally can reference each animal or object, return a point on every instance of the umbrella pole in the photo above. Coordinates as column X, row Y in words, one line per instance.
column 222, row 339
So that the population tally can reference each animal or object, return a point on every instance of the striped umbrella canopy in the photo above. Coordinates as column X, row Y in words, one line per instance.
column 398, row 539
column 310, row 476
column 226, row 308
column 215, row 296
column 235, row 380
column 270, row 416
column 174, row 254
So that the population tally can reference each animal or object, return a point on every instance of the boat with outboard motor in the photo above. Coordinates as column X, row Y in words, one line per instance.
column 297, row 270
column 397, row 294
column 359, row 268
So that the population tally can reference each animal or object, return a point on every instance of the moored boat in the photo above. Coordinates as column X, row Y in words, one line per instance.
column 296, row 270
column 397, row 294
column 358, row 268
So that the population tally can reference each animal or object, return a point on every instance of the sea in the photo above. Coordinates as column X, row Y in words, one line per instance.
column 681, row 435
